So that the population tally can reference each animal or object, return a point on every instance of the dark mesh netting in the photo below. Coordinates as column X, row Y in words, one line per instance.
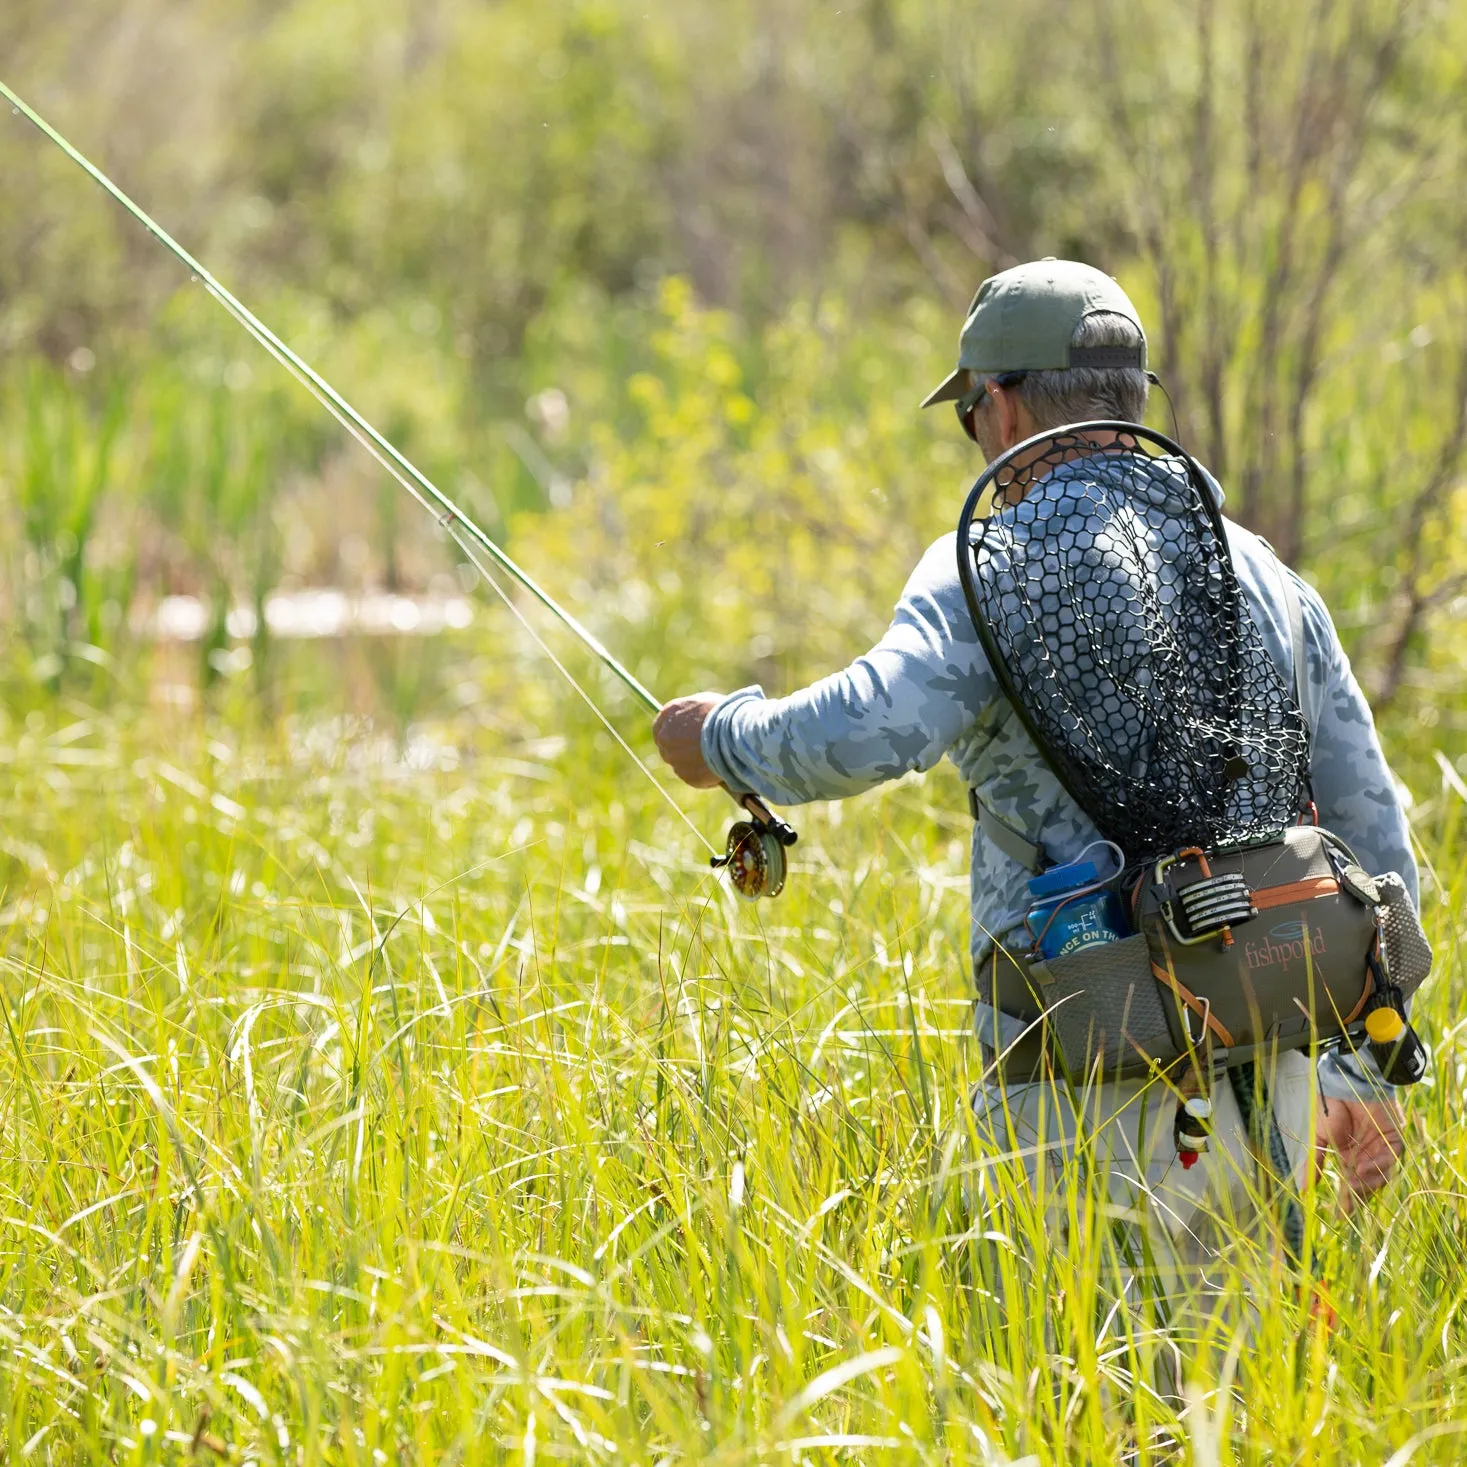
column 1103, row 591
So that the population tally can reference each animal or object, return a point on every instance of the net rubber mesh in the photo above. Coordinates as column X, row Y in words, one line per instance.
column 1103, row 591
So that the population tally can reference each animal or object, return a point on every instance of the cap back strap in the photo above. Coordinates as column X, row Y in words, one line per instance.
column 1108, row 356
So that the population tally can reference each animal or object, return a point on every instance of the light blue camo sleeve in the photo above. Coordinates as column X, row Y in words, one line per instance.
column 1357, row 799
column 897, row 709
column 1353, row 787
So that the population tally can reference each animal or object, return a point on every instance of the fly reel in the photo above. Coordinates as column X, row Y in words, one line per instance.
column 754, row 856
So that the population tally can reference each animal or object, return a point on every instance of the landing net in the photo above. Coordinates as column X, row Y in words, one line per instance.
column 1105, row 597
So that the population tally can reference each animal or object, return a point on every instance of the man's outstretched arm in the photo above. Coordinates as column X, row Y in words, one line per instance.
column 897, row 709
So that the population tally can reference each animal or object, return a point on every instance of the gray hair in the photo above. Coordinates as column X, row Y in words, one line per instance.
column 1081, row 394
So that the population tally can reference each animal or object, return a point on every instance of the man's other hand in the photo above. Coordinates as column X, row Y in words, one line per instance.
column 678, row 729
column 1365, row 1136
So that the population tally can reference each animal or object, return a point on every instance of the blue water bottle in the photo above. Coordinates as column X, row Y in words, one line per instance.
column 1073, row 910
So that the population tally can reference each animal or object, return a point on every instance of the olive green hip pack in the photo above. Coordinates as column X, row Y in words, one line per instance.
column 1234, row 953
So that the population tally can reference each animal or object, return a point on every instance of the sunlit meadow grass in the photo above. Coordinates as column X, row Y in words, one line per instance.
column 377, row 1102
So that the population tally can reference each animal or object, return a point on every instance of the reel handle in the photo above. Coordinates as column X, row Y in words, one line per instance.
column 766, row 819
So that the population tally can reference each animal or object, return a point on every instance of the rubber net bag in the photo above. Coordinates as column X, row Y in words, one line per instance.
column 1104, row 594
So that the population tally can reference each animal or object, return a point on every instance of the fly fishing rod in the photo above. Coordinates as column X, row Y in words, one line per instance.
column 754, row 852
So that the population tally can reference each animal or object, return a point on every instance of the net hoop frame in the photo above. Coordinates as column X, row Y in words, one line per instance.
column 1144, row 440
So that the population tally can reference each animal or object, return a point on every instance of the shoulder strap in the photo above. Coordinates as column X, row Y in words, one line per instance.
column 1294, row 612
column 1016, row 846
column 1299, row 654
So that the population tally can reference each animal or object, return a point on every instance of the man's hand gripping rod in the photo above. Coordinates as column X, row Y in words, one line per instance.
column 754, row 855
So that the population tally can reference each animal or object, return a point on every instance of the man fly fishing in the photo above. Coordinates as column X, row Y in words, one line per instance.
column 1114, row 669
column 1105, row 550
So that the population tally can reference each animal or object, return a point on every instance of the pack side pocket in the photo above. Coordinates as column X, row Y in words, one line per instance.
column 1407, row 949
column 1103, row 1005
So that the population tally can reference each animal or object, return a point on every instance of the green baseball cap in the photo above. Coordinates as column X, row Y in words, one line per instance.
column 1023, row 319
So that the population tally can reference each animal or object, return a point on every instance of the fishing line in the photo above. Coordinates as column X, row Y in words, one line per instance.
column 565, row 672
column 452, row 525
column 467, row 547
column 423, row 489
column 467, row 535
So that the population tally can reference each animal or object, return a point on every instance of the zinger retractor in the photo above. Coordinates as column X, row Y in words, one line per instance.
column 1192, row 1129
column 1394, row 1043
column 754, row 856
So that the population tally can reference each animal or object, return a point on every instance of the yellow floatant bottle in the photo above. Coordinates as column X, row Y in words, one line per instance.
column 1394, row 1043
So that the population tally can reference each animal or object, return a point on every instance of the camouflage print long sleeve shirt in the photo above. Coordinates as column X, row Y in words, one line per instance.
column 926, row 690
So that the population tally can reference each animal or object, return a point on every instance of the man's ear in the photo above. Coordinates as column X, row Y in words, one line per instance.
column 1010, row 429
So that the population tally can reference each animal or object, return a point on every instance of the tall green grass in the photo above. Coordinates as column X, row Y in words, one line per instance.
column 369, row 1100
column 385, row 1078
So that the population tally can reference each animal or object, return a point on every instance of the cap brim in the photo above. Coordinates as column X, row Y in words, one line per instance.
column 950, row 391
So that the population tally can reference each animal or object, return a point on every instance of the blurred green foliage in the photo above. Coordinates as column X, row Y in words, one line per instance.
column 678, row 274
